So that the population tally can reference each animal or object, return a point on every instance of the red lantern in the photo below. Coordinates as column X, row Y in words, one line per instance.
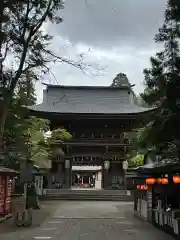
column 162, row 180
column 150, row 181
column 144, row 187
column 138, row 187
column 176, row 179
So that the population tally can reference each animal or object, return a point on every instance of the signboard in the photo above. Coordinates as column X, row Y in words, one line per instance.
column 149, row 204
column 2, row 196
column 8, row 202
column 149, row 199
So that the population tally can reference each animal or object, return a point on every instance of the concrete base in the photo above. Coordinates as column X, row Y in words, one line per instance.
column 2, row 219
column 23, row 218
column 137, row 214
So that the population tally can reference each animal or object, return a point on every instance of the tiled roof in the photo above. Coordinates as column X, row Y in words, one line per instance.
column 88, row 109
column 88, row 100
column 8, row 170
column 123, row 86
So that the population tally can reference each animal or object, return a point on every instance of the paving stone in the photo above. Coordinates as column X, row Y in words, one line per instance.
column 93, row 221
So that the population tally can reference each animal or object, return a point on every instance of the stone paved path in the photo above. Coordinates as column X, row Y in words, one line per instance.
column 92, row 221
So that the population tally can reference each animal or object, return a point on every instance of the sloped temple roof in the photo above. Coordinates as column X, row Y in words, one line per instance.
column 88, row 100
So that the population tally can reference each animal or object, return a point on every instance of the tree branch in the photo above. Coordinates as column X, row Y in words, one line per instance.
column 24, row 53
column 2, row 59
column 43, row 18
column 32, row 32
column 63, row 60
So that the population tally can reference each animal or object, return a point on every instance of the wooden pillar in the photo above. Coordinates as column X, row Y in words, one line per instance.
column 59, row 174
column 106, row 180
column 68, row 171
column 103, row 177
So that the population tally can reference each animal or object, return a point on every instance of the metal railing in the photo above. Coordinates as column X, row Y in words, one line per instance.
column 100, row 141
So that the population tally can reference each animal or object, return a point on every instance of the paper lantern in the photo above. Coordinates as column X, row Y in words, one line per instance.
column 125, row 165
column 107, row 165
column 67, row 163
column 150, row 181
column 162, row 180
column 138, row 186
column 176, row 179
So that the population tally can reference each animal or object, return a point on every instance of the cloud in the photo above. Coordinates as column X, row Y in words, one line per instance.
column 107, row 23
column 118, row 33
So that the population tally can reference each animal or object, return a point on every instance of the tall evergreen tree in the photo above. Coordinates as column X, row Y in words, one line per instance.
column 162, row 83
column 120, row 80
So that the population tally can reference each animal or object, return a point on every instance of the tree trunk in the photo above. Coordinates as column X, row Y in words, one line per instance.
column 3, row 117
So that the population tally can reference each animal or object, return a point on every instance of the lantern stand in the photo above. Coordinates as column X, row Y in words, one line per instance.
column 125, row 168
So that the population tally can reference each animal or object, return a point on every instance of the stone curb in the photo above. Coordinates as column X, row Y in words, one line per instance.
column 2, row 219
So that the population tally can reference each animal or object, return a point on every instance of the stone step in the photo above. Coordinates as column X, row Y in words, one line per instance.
column 101, row 195
column 89, row 198
column 86, row 192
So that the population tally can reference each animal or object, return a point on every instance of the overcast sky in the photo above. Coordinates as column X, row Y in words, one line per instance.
column 116, row 35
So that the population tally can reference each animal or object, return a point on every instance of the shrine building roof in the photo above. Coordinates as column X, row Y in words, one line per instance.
column 88, row 100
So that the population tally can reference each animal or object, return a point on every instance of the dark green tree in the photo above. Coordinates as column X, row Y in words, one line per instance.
column 162, row 83
column 24, row 136
column 13, row 147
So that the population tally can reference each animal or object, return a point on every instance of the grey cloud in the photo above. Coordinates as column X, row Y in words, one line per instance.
column 130, row 64
column 111, row 22
column 123, row 29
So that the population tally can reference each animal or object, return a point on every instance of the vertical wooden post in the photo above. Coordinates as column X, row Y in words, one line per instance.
column 103, row 177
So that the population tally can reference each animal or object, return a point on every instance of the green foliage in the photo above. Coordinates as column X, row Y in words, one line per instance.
column 59, row 135
column 38, row 148
column 41, row 146
column 29, row 142
column 143, row 136
column 136, row 161
column 13, row 147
